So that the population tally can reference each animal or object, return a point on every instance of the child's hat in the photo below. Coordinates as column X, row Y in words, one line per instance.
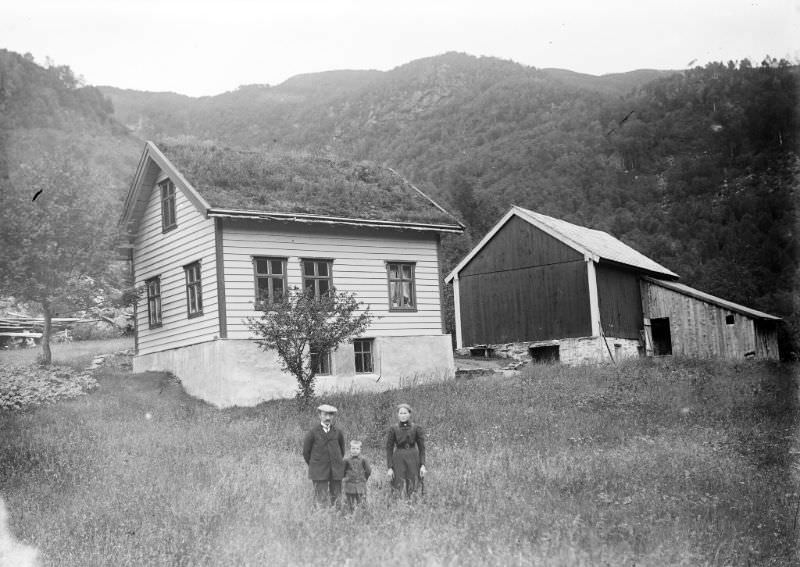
column 406, row 406
column 327, row 408
column 355, row 443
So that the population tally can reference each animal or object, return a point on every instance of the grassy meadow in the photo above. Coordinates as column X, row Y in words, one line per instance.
column 655, row 462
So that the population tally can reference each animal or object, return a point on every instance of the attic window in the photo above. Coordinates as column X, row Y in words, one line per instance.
column 167, row 205
column 729, row 319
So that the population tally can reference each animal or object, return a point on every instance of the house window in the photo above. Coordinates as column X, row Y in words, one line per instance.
column 729, row 319
column 363, row 352
column 270, row 276
column 153, row 286
column 167, row 205
column 320, row 361
column 194, row 290
column 402, row 293
column 317, row 277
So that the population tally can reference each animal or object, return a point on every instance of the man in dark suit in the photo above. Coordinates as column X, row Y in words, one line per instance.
column 323, row 451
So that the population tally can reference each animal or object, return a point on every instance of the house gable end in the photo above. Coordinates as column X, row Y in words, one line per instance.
column 151, row 166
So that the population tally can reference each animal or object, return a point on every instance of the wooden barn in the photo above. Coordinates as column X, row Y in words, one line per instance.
column 215, row 235
column 681, row 320
column 541, row 288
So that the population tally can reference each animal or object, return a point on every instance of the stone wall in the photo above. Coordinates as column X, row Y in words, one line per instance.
column 237, row 373
column 577, row 351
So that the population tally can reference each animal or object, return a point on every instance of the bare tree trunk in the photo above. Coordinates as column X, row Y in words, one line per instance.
column 47, row 356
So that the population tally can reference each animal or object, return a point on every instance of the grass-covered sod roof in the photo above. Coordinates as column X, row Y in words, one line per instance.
column 301, row 183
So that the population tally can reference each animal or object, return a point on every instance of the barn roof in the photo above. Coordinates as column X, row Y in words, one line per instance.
column 596, row 244
column 707, row 297
column 291, row 186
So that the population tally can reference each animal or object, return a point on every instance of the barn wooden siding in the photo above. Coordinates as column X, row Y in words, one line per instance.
column 524, row 285
column 165, row 255
column 766, row 340
column 698, row 328
column 620, row 301
column 359, row 258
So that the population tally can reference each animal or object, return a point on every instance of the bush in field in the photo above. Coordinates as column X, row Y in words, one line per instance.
column 95, row 331
column 300, row 324
column 25, row 386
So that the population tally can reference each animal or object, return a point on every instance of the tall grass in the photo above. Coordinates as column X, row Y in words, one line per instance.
column 657, row 462
column 77, row 354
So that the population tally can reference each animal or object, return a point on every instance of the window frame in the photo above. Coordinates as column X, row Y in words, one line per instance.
column 169, row 215
column 316, row 278
column 400, row 280
column 320, row 357
column 359, row 352
column 197, row 286
column 154, row 313
column 262, row 304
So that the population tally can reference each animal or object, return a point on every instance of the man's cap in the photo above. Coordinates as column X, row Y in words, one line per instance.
column 327, row 408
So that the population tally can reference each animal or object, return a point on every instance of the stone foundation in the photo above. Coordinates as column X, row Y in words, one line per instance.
column 574, row 352
column 230, row 372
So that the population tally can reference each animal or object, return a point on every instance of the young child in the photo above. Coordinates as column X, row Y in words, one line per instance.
column 356, row 474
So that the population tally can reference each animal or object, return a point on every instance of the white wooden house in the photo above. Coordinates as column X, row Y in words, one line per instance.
column 215, row 233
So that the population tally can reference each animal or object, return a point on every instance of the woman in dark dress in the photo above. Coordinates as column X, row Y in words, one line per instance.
column 405, row 452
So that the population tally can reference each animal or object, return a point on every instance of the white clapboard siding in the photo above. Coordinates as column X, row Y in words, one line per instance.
column 165, row 255
column 359, row 265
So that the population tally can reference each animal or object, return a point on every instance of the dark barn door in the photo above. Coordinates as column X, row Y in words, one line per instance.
column 662, row 341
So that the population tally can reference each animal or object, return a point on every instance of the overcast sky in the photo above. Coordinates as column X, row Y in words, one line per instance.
column 205, row 47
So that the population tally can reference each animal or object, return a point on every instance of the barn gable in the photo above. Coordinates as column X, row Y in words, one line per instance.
column 592, row 244
column 518, row 243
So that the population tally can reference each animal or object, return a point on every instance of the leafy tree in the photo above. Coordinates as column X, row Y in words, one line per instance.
column 299, row 322
column 57, row 233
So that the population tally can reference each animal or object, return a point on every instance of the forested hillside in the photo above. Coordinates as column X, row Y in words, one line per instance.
column 47, row 109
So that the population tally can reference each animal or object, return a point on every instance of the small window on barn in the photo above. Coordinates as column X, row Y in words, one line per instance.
column 730, row 319
column 168, row 219
column 402, row 292
column 363, row 349
column 270, row 275
column 194, row 290
column 153, row 286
